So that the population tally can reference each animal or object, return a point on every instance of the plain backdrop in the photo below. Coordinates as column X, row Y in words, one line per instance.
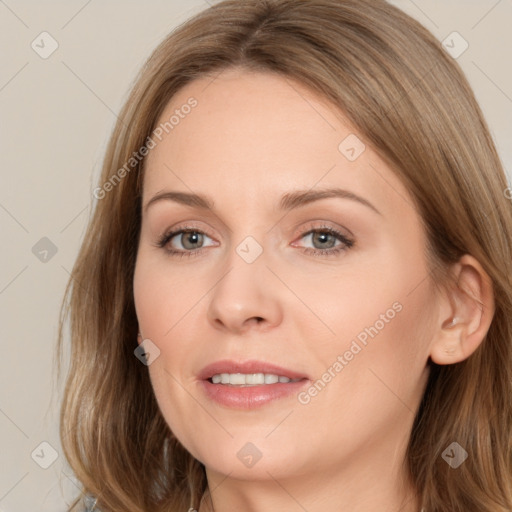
column 56, row 116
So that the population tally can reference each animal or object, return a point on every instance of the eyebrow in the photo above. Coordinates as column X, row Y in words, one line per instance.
column 289, row 201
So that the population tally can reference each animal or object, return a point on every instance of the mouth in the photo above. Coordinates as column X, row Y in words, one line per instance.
column 249, row 384
column 248, row 373
column 249, row 379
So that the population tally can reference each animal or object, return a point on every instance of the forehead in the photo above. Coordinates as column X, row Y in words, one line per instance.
column 250, row 113
column 261, row 132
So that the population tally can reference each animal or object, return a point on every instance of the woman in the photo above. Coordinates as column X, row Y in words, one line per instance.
column 295, row 290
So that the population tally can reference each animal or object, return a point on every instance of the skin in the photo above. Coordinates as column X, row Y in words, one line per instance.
column 252, row 138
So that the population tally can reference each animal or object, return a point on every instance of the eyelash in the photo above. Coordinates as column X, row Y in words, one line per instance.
column 168, row 236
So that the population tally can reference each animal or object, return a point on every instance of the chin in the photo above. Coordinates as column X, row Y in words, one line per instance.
column 252, row 460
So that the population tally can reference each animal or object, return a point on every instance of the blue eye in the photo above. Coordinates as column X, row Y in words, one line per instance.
column 326, row 237
column 191, row 237
column 188, row 237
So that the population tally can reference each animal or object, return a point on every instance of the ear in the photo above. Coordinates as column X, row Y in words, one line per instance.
column 465, row 313
column 139, row 338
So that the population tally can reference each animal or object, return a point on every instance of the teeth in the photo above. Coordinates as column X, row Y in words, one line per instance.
column 272, row 379
column 249, row 379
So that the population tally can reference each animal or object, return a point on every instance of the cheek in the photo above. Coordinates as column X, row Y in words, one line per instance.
column 381, row 376
column 162, row 296
column 167, row 304
column 147, row 297
column 395, row 359
column 391, row 303
column 384, row 321
column 162, row 300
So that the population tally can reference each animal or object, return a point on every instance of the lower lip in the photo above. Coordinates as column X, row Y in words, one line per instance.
column 250, row 397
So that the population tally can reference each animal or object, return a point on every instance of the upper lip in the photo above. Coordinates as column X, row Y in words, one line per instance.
column 251, row 366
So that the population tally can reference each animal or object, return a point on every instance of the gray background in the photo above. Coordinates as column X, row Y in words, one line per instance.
column 56, row 116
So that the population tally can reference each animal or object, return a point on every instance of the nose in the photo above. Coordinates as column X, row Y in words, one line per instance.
column 246, row 296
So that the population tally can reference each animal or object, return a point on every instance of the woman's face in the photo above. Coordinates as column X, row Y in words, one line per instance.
column 333, row 290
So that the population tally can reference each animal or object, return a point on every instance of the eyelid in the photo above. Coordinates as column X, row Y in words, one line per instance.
column 319, row 224
column 187, row 226
column 346, row 242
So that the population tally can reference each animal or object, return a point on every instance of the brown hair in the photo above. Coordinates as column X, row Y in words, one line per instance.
column 411, row 102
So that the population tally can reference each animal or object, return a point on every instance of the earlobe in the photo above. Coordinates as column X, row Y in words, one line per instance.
column 139, row 338
column 469, row 310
